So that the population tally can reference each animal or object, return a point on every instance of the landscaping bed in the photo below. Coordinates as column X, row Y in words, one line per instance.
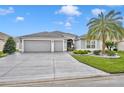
column 106, row 64
column 97, row 53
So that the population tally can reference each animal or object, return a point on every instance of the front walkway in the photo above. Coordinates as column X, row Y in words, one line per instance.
column 44, row 66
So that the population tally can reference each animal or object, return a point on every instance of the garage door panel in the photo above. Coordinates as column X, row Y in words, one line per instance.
column 58, row 46
column 37, row 46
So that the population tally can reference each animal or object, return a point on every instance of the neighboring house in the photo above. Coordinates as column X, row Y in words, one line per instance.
column 120, row 45
column 3, row 38
column 56, row 42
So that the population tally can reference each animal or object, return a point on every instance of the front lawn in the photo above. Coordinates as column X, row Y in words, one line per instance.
column 2, row 54
column 107, row 65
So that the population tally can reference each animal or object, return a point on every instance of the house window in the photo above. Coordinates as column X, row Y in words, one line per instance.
column 91, row 44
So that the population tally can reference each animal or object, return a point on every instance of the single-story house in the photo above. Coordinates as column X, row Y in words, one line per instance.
column 120, row 45
column 3, row 38
column 56, row 41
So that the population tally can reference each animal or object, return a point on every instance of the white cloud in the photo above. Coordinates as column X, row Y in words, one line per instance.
column 6, row 11
column 69, row 10
column 97, row 11
column 19, row 18
column 68, row 24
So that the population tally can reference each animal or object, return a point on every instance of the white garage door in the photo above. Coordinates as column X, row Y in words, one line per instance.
column 58, row 46
column 37, row 46
column 121, row 46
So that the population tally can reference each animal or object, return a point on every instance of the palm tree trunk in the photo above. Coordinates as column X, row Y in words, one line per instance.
column 103, row 45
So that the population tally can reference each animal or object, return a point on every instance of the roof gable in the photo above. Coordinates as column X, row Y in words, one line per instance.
column 3, row 36
column 54, row 34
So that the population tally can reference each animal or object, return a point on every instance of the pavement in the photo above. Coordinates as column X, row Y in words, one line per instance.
column 29, row 67
column 107, row 81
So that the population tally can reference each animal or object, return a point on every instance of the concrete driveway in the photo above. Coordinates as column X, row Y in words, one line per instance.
column 44, row 66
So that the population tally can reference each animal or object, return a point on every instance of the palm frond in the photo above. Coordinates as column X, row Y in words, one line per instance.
column 108, row 26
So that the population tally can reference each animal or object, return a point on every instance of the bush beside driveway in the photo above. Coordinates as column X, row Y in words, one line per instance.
column 2, row 54
column 105, row 64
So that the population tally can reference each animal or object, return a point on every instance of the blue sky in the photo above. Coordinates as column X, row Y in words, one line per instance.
column 21, row 20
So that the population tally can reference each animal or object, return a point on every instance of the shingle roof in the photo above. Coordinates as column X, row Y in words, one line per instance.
column 56, row 34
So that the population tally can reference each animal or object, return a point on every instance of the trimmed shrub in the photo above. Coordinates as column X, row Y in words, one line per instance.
column 97, row 52
column 75, row 51
column 80, row 52
column 84, row 52
column 110, row 53
column 88, row 51
column 10, row 46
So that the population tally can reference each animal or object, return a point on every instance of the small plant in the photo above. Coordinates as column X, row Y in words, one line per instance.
column 84, row 52
column 10, row 46
column 80, row 52
column 75, row 51
column 88, row 51
column 109, row 45
column 110, row 53
column 2, row 54
column 97, row 52
column 70, row 49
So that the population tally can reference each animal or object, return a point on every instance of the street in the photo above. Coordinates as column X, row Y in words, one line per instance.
column 108, row 81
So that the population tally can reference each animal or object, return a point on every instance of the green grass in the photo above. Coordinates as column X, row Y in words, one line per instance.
column 2, row 54
column 107, row 65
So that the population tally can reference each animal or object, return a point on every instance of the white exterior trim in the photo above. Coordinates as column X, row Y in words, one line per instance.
column 52, row 45
column 22, row 46
column 42, row 39
column 63, row 46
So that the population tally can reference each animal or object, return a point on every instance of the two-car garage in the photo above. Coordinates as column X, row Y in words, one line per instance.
column 42, row 46
column 55, row 41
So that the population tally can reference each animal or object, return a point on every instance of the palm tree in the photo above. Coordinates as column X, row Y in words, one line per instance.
column 106, row 27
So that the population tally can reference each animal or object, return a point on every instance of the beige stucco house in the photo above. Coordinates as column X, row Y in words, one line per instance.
column 56, row 41
column 3, row 38
column 121, row 45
